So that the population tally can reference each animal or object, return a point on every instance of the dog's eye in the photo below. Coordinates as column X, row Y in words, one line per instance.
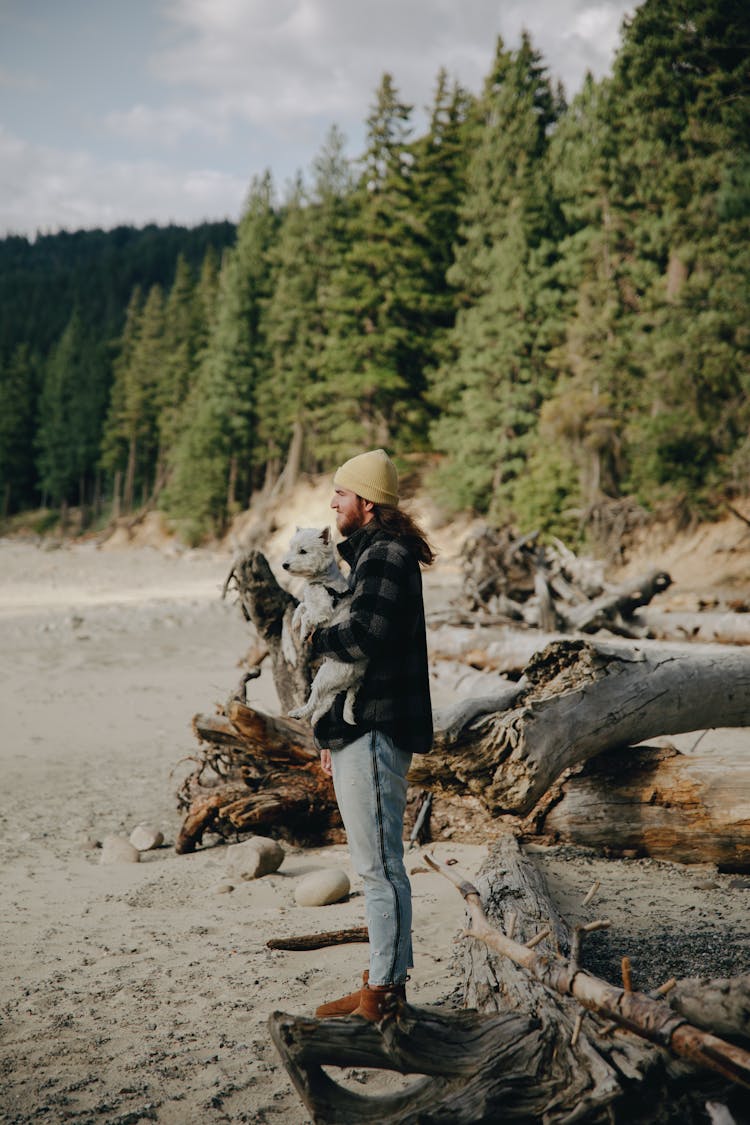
column 302, row 551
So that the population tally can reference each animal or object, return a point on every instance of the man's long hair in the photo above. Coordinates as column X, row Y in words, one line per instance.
column 400, row 524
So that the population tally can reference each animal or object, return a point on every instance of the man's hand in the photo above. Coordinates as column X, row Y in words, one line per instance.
column 325, row 762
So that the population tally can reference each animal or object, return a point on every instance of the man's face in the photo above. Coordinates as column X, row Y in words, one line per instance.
column 352, row 512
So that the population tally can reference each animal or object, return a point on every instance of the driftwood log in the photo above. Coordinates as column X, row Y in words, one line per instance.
column 553, row 750
column 539, row 1045
column 516, row 579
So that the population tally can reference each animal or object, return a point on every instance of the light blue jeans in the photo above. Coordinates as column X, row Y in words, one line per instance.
column 369, row 776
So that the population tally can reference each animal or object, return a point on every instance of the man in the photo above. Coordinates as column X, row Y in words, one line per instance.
column 370, row 760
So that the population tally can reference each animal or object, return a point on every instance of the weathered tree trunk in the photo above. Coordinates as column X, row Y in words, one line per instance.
column 530, row 1055
column 270, row 609
column 582, row 700
column 263, row 774
column 609, row 610
column 687, row 808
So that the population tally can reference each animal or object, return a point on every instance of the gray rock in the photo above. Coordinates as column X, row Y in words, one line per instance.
column 254, row 858
column 321, row 888
column 116, row 849
column 144, row 838
column 223, row 889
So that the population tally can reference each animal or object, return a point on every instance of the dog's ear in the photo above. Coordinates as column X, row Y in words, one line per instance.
column 325, row 535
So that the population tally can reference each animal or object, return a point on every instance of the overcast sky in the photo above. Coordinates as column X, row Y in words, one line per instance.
column 136, row 111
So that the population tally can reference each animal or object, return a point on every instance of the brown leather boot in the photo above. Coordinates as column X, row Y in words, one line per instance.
column 380, row 1000
column 345, row 1006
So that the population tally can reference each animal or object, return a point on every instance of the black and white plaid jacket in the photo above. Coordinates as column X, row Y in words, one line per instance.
column 386, row 627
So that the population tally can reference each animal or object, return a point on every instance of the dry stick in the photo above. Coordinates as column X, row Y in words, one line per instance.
column 650, row 1019
column 592, row 891
column 319, row 941
column 627, row 977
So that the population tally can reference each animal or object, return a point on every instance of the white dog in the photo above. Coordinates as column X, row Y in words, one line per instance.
column 324, row 601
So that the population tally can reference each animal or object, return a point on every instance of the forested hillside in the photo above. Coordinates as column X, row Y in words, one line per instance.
column 550, row 298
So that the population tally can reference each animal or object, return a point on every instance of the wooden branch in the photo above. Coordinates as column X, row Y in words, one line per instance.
column 621, row 602
column 320, row 941
column 651, row 1019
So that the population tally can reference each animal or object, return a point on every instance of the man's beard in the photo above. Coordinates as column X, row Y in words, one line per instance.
column 347, row 525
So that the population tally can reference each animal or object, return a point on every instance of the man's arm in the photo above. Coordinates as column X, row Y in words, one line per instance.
column 374, row 610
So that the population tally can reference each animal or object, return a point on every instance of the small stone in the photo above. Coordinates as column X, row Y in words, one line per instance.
column 144, row 838
column 223, row 889
column 254, row 858
column 116, row 849
column 88, row 844
column 739, row 884
column 321, row 888
column 705, row 885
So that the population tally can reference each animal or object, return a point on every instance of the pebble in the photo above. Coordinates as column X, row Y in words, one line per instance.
column 116, row 849
column 254, row 858
column 321, row 888
column 739, row 884
column 223, row 889
column 144, row 838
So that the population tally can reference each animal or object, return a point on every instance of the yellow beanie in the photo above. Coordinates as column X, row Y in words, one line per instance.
column 372, row 476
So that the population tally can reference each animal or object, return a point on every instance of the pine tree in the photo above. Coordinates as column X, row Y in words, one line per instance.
column 440, row 164
column 71, row 409
column 130, row 440
column 18, row 391
column 310, row 247
column 185, row 333
column 681, row 83
column 377, row 308
column 496, row 375
column 212, row 462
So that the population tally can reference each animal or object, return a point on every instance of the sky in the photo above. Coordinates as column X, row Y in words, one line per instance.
column 138, row 111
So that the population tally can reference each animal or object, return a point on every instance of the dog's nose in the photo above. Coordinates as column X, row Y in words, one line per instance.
column 285, row 566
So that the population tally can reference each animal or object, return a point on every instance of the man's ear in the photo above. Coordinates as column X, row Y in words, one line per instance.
column 325, row 535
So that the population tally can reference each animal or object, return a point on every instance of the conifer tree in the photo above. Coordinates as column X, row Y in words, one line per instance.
column 681, row 87
column 212, row 462
column 130, row 442
column 70, row 415
column 310, row 247
column 440, row 163
column 184, row 339
column 490, row 388
column 18, row 391
column 372, row 372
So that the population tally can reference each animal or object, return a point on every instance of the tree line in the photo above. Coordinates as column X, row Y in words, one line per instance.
column 550, row 299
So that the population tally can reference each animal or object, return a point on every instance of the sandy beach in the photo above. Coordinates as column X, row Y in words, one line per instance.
column 140, row 992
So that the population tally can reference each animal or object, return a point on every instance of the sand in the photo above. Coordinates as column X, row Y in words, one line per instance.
column 140, row 992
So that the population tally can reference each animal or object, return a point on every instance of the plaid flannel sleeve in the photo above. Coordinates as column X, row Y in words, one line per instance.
column 374, row 609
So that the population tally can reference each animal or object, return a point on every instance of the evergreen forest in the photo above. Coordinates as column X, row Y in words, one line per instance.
column 547, row 300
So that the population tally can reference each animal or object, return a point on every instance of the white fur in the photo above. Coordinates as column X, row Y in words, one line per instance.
column 311, row 556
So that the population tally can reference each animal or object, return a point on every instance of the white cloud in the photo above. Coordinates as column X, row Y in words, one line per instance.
column 249, row 84
column 269, row 60
column 45, row 189
column 167, row 125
